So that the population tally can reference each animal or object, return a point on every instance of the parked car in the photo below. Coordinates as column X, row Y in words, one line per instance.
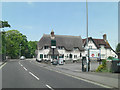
column 55, row 62
column 22, row 57
column 60, row 61
column 39, row 60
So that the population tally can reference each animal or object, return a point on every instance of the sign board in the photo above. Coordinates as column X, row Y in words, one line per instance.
column 94, row 53
column 53, row 46
column 53, row 42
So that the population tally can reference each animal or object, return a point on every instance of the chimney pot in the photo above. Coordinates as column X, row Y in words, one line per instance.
column 105, row 37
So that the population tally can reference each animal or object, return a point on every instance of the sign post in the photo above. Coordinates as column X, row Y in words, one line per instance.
column 53, row 46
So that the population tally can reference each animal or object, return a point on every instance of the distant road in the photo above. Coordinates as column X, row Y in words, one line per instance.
column 24, row 74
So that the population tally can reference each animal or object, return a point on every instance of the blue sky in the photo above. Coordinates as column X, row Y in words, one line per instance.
column 66, row 18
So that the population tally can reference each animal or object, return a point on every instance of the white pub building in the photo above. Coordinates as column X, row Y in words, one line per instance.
column 73, row 47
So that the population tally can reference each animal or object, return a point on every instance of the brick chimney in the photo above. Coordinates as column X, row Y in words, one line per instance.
column 105, row 37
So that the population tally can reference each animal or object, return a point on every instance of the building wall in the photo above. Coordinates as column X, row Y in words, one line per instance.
column 91, row 44
column 75, row 54
column 105, row 53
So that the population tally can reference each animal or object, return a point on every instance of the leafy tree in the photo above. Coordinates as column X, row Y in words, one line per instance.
column 4, row 24
column 32, row 46
column 118, row 48
column 16, row 43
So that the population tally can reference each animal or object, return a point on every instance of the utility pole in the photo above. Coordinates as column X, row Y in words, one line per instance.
column 87, row 35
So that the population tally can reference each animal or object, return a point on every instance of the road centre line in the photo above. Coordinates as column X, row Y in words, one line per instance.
column 2, row 65
column 49, row 87
column 34, row 75
column 25, row 68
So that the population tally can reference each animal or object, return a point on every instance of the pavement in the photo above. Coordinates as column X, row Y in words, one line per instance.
column 31, row 74
column 108, row 79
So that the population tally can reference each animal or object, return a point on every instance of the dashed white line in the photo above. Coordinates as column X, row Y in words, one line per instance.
column 49, row 87
column 25, row 68
column 34, row 75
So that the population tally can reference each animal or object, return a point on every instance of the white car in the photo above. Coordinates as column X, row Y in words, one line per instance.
column 22, row 57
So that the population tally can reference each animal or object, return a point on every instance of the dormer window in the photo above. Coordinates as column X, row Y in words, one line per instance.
column 90, row 47
column 46, row 47
column 75, row 48
column 60, row 47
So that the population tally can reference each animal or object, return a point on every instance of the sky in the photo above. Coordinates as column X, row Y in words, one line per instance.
column 34, row 19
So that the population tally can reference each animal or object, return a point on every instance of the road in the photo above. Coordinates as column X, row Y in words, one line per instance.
column 26, row 74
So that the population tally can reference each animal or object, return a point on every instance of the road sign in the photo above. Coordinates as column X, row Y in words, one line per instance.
column 94, row 53
column 53, row 46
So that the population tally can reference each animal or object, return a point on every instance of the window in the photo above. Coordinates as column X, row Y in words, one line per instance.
column 45, row 56
column 60, row 47
column 80, row 55
column 102, row 55
column 90, row 47
column 75, row 48
column 46, row 47
column 75, row 56
column 41, row 55
column 70, row 55
column 63, row 56
column 67, row 55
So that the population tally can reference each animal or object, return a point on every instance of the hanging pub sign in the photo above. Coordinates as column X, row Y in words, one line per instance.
column 53, row 43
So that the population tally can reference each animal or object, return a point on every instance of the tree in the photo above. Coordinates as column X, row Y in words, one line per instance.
column 16, row 43
column 118, row 48
column 4, row 24
column 32, row 46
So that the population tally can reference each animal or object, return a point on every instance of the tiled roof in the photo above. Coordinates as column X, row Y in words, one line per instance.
column 98, row 42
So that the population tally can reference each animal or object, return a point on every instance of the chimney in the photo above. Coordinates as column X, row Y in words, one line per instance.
column 105, row 37
column 52, row 33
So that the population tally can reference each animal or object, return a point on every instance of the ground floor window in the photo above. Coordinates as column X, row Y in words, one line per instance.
column 70, row 55
column 45, row 56
column 75, row 56
column 55, row 57
column 80, row 55
column 41, row 55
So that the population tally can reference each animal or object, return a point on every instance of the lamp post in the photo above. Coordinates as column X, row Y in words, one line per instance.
column 87, row 35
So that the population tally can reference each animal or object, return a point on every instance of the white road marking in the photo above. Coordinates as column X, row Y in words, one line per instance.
column 3, row 65
column 95, row 83
column 25, row 68
column 49, row 87
column 34, row 75
column 21, row 65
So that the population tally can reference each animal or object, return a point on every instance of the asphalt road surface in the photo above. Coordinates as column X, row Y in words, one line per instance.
column 26, row 74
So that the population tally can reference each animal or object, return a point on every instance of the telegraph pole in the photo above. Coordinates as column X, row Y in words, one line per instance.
column 87, row 61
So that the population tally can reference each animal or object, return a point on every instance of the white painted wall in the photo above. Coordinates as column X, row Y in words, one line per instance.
column 61, row 51
column 105, row 53
column 90, row 43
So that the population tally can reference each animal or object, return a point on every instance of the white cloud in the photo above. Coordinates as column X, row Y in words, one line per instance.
column 30, row 3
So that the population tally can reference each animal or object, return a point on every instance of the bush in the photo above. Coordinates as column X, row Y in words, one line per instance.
column 99, row 69
column 104, row 63
column 102, row 67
